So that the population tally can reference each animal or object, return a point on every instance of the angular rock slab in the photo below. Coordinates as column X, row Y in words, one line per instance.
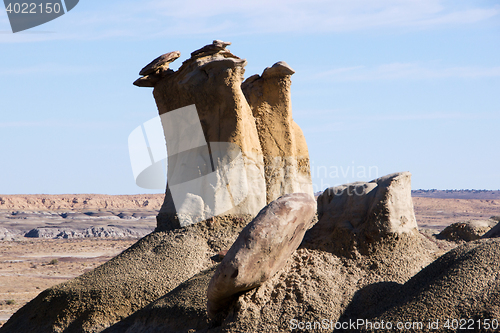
column 362, row 213
column 261, row 249
column 162, row 62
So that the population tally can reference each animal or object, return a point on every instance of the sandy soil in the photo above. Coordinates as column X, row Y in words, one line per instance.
column 28, row 266
column 439, row 213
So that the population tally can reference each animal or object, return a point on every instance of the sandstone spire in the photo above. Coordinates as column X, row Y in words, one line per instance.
column 286, row 157
column 252, row 151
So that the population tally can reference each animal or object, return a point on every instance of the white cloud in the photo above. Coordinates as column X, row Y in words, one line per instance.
column 195, row 17
column 316, row 16
column 395, row 71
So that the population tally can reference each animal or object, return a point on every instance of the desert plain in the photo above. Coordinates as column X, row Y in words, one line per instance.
column 29, row 265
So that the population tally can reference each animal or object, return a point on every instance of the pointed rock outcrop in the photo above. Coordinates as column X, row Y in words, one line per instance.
column 157, row 69
column 286, row 157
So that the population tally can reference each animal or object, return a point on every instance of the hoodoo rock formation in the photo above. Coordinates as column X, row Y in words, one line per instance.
column 233, row 148
column 274, row 157
column 494, row 232
column 286, row 157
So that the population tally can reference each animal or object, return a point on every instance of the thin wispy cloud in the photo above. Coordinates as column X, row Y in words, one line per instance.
column 52, row 68
column 56, row 123
column 40, row 123
column 194, row 17
column 335, row 121
column 396, row 71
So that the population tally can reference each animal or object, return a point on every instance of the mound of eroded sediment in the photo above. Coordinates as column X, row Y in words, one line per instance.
column 462, row 284
column 160, row 283
column 146, row 271
column 318, row 281
column 467, row 230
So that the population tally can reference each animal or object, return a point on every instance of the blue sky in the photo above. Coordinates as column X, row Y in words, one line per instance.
column 381, row 86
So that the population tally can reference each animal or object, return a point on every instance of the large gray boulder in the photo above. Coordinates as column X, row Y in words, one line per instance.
column 261, row 249
column 360, row 214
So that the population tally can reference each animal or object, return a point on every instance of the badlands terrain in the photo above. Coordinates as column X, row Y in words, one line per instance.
column 29, row 265
column 245, row 247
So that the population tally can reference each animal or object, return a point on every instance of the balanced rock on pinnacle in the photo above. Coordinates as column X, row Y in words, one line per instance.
column 250, row 151
column 157, row 69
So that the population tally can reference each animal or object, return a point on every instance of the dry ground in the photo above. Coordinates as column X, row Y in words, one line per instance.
column 440, row 213
column 29, row 266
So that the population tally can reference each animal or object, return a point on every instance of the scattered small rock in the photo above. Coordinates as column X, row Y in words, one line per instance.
column 222, row 254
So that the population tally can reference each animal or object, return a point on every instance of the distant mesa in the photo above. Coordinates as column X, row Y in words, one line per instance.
column 457, row 194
